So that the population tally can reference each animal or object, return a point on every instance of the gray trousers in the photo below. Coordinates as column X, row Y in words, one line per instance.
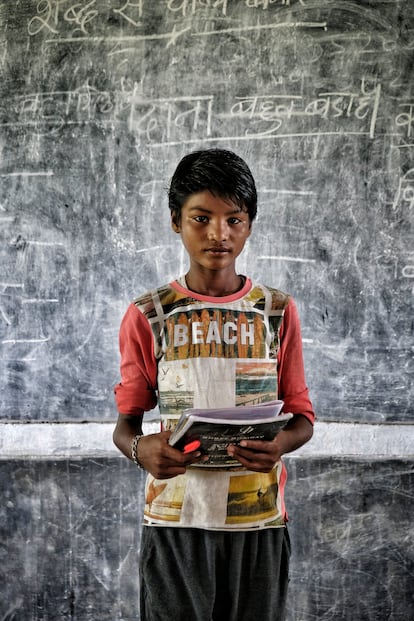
column 189, row 574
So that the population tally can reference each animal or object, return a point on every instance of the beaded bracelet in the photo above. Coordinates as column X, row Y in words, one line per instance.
column 134, row 448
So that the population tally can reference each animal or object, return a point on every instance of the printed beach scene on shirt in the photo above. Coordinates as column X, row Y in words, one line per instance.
column 237, row 499
column 253, row 497
column 214, row 333
column 213, row 352
column 164, row 499
column 255, row 382
column 199, row 382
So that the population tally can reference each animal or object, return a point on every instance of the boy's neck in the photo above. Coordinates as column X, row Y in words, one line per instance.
column 215, row 286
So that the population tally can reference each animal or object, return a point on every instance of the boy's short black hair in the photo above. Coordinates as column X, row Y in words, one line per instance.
column 221, row 172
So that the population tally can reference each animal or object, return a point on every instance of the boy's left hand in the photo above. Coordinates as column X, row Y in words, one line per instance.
column 256, row 455
column 262, row 456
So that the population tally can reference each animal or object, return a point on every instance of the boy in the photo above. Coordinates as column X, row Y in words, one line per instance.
column 214, row 542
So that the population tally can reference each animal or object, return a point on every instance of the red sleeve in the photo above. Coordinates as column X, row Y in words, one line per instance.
column 291, row 374
column 136, row 391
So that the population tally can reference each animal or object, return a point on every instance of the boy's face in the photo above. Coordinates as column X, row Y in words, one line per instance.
column 213, row 230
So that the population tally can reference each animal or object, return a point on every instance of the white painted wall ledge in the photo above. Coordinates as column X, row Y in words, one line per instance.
column 81, row 440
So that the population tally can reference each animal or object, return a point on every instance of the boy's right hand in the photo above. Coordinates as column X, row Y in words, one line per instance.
column 161, row 459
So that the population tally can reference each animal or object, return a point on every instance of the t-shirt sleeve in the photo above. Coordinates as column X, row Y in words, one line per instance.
column 291, row 375
column 137, row 390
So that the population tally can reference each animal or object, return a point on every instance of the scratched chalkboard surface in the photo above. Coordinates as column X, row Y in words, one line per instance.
column 99, row 100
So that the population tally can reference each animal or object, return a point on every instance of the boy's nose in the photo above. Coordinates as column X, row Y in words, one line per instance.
column 218, row 231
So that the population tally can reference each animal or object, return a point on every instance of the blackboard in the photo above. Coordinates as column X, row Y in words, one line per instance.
column 351, row 561
column 98, row 102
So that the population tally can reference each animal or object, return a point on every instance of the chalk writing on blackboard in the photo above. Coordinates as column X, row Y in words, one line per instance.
column 132, row 12
column 73, row 22
column 53, row 15
column 315, row 95
column 405, row 118
column 50, row 11
column 405, row 191
column 270, row 112
column 176, row 119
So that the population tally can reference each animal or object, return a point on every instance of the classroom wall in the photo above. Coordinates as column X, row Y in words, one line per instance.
column 99, row 100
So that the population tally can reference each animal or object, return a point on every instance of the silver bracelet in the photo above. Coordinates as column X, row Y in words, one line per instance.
column 134, row 449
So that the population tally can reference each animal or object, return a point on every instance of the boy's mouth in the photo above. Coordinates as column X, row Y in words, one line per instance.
column 218, row 249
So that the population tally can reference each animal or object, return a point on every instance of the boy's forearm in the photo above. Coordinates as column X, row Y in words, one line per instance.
column 127, row 427
column 297, row 432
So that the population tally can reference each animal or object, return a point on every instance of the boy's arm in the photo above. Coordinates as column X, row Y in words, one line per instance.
column 297, row 432
column 153, row 451
column 135, row 394
column 127, row 427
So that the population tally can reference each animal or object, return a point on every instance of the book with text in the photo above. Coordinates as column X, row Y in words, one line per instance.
column 213, row 430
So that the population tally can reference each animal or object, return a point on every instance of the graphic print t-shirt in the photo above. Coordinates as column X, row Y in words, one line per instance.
column 187, row 350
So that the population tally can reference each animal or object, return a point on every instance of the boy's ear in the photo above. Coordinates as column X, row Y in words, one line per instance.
column 175, row 223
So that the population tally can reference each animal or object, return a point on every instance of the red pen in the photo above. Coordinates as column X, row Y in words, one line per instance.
column 191, row 446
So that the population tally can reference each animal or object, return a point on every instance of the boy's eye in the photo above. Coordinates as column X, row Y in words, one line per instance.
column 202, row 219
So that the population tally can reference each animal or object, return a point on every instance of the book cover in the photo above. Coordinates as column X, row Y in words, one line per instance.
column 217, row 429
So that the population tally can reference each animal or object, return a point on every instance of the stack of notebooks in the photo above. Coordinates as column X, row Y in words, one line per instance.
column 211, row 431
